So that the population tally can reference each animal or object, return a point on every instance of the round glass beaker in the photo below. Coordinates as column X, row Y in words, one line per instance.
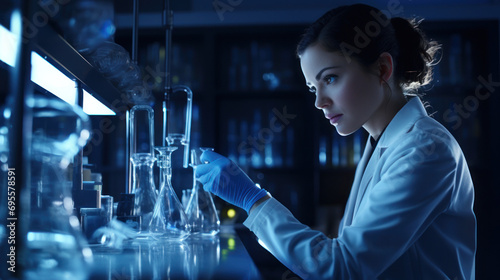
column 55, row 246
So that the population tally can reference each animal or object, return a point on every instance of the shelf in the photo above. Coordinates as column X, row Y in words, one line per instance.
column 280, row 169
column 239, row 16
column 53, row 47
column 262, row 94
column 337, row 169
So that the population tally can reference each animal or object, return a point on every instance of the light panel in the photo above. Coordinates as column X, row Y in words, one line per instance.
column 8, row 46
column 51, row 79
column 44, row 74
column 92, row 106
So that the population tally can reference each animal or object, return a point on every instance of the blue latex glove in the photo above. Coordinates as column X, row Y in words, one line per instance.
column 225, row 179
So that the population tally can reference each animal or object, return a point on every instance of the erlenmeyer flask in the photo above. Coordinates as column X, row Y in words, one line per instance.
column 169, row 219
column 200, row 210
column 143, row 187
column 55, row 246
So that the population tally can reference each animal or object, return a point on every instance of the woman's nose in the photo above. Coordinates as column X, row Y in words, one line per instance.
column 322, row 101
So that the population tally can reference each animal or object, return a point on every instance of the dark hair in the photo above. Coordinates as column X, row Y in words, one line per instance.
column 361, row 32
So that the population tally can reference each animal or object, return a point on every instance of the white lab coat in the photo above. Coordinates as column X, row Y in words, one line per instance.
column 409, row 215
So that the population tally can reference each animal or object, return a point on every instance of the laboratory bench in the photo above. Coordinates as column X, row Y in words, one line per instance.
column 221, row 257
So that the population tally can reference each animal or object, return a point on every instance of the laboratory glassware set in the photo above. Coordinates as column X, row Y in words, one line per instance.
column 161, row 213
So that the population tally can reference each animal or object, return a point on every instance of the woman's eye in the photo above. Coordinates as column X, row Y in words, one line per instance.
column 330, row 79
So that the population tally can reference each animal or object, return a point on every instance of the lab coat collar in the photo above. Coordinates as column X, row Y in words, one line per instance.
column 402, row 123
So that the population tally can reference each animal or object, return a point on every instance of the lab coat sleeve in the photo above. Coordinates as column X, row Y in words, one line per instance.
column 306, row 252
column 415, row 183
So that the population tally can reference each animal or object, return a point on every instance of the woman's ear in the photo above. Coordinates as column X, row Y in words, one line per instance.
column 386, row 66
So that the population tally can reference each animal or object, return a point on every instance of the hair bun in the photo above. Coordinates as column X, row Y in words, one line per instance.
column 416, row 53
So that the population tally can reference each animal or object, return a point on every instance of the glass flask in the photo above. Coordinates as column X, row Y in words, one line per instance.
column 141, row 163
column 200, row 210
column 143, row 186
column 141, row 127
column 169, row 219
column 55, row 246
column 177, row 119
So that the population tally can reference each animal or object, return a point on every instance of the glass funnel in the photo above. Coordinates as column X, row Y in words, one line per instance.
column 55, row 246
column 169, row 219
column 200, row 210
column 143, row 186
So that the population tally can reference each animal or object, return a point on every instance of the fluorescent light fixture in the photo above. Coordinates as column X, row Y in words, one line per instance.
column 51, row 79
column 92, row 106
column 8, row 46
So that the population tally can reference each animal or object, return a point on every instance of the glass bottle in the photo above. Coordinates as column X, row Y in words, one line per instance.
column 55, row 246
column 200, row 210
column 169, row 219
column 143, row 187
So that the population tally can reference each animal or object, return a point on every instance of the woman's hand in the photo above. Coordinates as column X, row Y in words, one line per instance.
column 225, row 179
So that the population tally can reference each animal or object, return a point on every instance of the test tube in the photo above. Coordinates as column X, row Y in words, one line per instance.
column 133, row 121
column 177, row 119
column 135, row 124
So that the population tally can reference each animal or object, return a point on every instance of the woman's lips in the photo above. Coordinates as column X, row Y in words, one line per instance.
column 334, row 119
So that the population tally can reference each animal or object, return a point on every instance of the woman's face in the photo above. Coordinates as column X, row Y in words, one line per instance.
column 349, row 96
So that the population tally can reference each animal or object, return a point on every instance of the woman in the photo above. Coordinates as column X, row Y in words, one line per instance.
column 409, row 214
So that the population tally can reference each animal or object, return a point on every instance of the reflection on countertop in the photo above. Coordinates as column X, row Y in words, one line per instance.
column 220, row 257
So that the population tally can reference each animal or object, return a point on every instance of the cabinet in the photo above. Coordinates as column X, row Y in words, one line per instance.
column 464, row 98
column 460, row 96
